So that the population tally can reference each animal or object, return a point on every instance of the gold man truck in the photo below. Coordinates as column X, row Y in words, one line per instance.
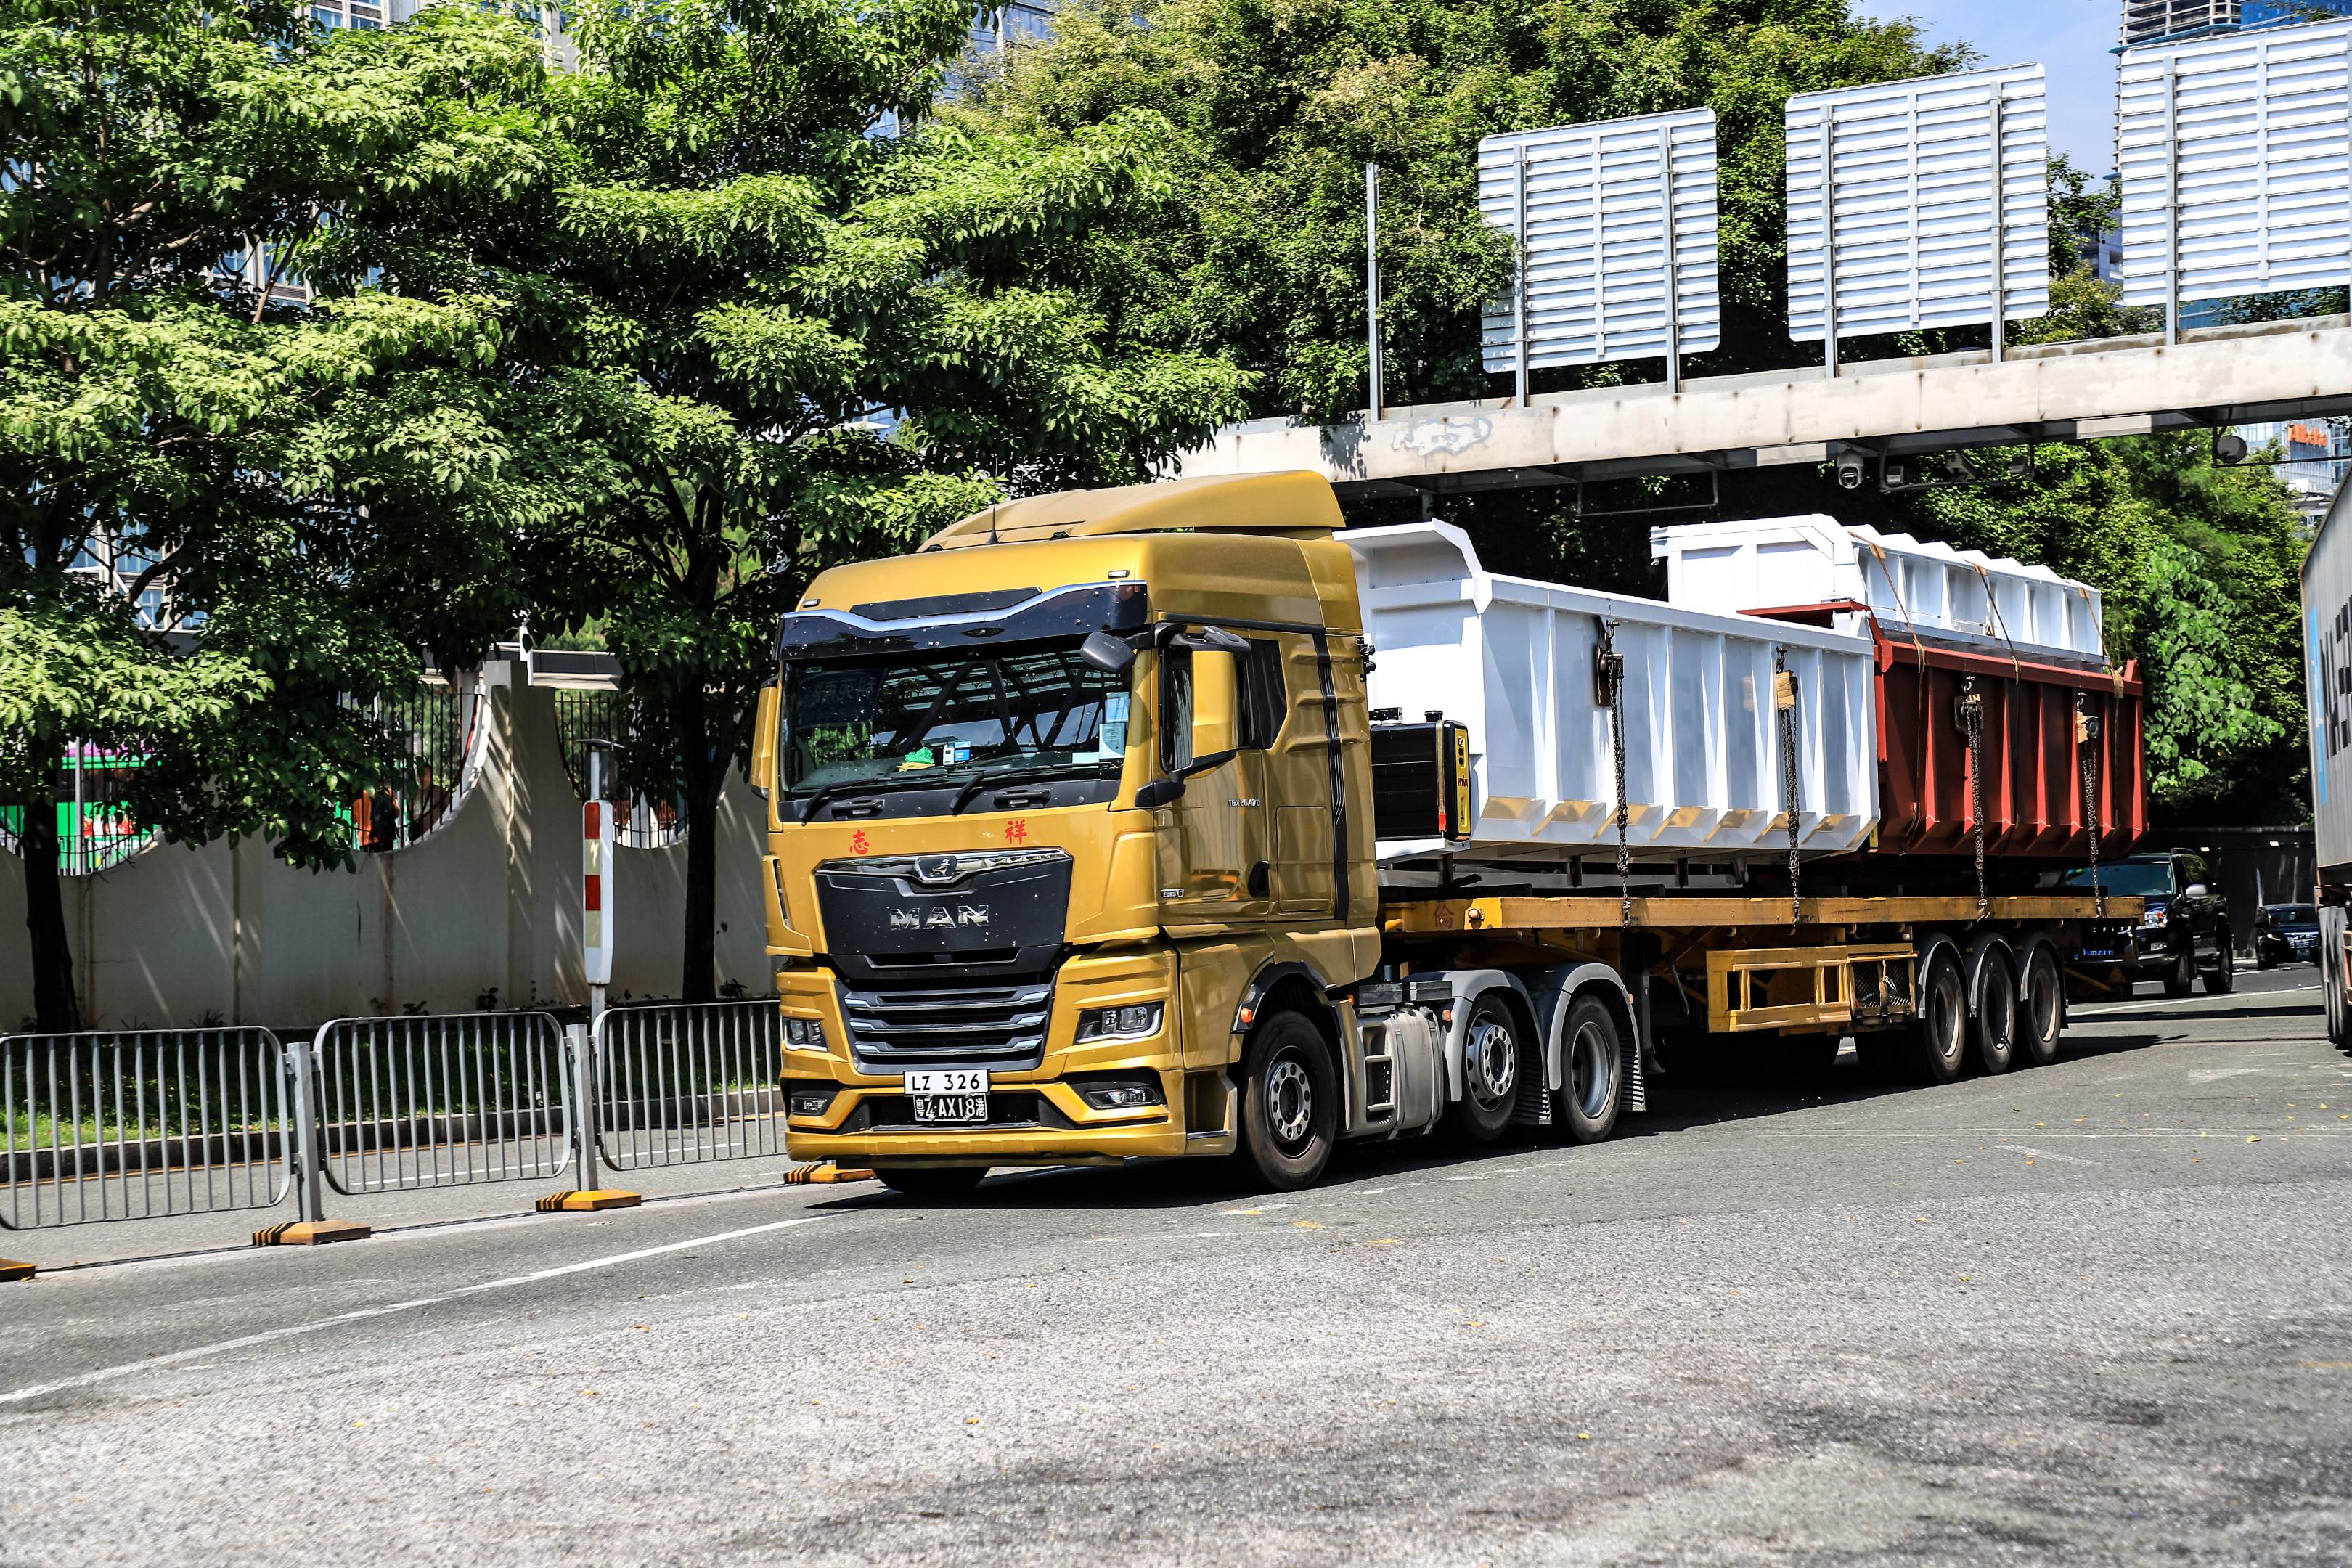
column 1175, row 821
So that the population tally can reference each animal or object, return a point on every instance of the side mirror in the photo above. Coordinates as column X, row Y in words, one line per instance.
column 2194, row 890
column 763, row 738
column 1216, row 704
column 1159, row 792
column 1107, row 653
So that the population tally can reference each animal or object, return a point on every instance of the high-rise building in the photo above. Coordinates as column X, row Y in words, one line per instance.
column 2145, row 21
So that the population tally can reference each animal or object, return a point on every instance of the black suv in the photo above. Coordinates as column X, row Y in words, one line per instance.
column 2285, row 934
column 2186, row 928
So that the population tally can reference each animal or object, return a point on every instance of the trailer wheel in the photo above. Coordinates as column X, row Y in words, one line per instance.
column 1291, row 1105
column 2043, row 1016
column 1992, row 1028
column 1939, row 1040
column 2222, row 978
column 1490, row 1073
column 1591, row 1071
column 933, row 1182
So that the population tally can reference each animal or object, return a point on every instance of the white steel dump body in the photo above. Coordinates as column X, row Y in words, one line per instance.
column 1704, row 758
column 1961, row 597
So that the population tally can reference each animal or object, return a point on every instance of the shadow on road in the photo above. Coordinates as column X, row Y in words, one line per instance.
column 1700, row 1094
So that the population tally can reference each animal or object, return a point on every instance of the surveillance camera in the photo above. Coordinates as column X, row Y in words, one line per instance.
column 2229, row 448
column 1849, row 473
column 1890, row 476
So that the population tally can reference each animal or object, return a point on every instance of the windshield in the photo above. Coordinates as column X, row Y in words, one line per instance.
column 950, row 715
column 2132, row 878
column 2293, row 914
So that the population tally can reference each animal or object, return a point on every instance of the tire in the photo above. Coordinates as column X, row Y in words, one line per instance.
column 2181, row 980
column 1992, row 1024
column 1592, row 1072
column 1290, row 1106
column 2263, row 959
column 2222, row 978
column 933, row 1183
column 2042, row 1011
column 1939, row 1040
column 1491, row 1058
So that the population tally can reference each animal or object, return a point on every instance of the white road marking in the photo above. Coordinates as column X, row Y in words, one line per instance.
column 270, row 1336
column 2046, row 1154
column 2210, row 1074
column 2177, row 1001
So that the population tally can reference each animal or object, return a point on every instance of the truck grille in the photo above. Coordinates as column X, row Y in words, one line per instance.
column 948, row 1026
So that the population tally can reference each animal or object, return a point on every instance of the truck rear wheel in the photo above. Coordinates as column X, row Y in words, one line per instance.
column 1992, row 1031
column 933, row 1182
column 1939, row 1040
column 1291, row 1105
column 2043, row 1016
column 1490, row 1072
column 1592, row 1072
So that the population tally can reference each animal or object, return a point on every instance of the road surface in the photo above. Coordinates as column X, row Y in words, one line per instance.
column 2099, row 1312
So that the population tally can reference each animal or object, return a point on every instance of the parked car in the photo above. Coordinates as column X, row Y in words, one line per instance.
column 2185, row 928
column 2286, row 933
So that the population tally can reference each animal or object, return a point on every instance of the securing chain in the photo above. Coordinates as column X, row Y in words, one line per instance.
column 1969, row 711
column 1784, row 705
column 1609, row 691
column 2086, row 737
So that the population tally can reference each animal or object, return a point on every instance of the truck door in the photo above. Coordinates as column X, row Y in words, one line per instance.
column 1288, row 694
column 1214, row 863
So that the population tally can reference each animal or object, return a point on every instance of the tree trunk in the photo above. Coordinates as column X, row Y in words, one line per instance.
column 702, row 777
column 56, row 1009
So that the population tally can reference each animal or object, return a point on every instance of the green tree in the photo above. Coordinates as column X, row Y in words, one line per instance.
column 767, row 316
column 1277, row 106
column 313, row 487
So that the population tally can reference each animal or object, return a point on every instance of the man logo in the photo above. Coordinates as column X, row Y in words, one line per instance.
column 939, row 916
column 936, row 871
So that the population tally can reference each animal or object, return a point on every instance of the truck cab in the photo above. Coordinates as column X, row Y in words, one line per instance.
column 1058, row 804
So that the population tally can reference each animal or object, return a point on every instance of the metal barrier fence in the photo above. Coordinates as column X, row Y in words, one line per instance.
column 679, row 1083
column 442, row 1100
column 143, row 1123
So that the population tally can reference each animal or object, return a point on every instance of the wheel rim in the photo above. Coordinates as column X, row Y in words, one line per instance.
column 1592, row 1072
column 1999, row 1010
column 1490, row 1059
column 1289, row 1102
column 1947, row 1020
column 2044, row 1003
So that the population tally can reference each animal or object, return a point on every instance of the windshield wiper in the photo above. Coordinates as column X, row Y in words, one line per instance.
column 847, row 786
column 1017, row 776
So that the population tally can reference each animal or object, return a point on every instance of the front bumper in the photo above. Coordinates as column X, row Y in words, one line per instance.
column 1038, row 1114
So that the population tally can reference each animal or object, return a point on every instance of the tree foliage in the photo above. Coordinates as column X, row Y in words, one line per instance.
column 750, row 329
column 309, row 486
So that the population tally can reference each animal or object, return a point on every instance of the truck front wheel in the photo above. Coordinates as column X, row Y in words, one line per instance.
column 1291, row 1105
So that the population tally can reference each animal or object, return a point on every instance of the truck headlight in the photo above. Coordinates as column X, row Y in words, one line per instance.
column 804, row 1034
column 1133, row 1022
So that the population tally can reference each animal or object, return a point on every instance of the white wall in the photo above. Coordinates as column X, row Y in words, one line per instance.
column 490, row 898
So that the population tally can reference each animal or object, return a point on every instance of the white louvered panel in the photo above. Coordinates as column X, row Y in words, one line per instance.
column 1597, row 202
column 1915, row 185
column 2256, row 139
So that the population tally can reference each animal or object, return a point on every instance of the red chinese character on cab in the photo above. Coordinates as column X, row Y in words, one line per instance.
column 1017, row 830
column 858, row 841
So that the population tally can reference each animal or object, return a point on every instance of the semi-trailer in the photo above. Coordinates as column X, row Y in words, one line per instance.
column 1181, row 820
column 2328, row 671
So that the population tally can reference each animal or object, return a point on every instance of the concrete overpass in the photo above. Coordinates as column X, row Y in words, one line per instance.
column 2055, row 392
